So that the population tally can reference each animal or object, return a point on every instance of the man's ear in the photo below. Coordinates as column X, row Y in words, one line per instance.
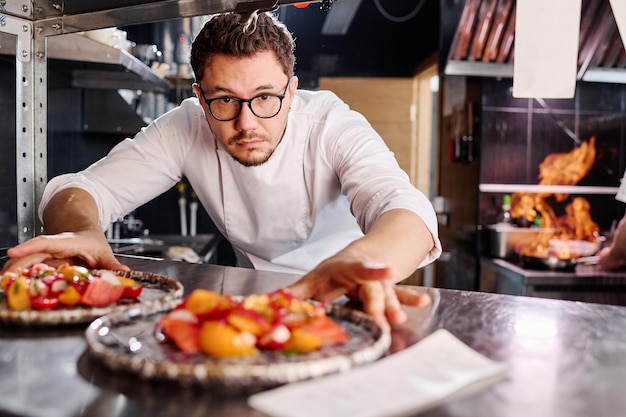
column 293, row 84
column 196, row 91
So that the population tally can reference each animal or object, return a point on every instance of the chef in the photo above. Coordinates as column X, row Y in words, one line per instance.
column 294, row 179
column 614, row 255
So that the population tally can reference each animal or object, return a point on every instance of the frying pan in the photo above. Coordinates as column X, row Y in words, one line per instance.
column 554, row 263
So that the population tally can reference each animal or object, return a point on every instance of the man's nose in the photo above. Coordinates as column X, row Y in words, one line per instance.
column 246, row 119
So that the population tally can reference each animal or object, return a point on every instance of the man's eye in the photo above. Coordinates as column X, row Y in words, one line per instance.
column 263, row 97
column 225, row 100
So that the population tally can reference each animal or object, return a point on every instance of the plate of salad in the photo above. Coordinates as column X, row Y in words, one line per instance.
column 259, row 340
column 72, row 294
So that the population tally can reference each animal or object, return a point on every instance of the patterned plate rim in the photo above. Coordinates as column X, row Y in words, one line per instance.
column 236, row 374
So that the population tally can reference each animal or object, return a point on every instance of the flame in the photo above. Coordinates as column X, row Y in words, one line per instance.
column 576, row 224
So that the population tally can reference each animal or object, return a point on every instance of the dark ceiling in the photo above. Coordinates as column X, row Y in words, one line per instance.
column 386, row 38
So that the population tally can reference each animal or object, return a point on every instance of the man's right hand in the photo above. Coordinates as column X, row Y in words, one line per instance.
column 71, row 219
column 87, row 248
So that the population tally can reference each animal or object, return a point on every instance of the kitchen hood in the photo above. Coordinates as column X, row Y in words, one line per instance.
column 482, row 42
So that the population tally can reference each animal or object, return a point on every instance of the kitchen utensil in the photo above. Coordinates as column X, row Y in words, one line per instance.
column 554, row 263
column 504, row 238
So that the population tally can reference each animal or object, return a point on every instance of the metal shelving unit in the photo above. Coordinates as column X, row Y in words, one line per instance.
column 29, row 30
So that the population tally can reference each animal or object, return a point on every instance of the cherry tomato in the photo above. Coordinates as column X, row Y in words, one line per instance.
column 7, row 279
column 38, row 288
column 80, row 284
column 39, row 270
column 132, row 292
column 43, row 303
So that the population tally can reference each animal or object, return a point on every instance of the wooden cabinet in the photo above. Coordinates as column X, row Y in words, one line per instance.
column 392, row 107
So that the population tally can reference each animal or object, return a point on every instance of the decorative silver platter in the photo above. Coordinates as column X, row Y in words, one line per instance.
column 159, row 293
column 125, row 342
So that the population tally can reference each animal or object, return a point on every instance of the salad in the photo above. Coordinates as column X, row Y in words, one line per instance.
column 43, row 287
column 222, row 326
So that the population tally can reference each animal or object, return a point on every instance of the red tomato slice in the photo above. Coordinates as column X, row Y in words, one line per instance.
column 185, row 334
column 326, row 329
column 43, row 303
column 132, row 292
column 100, row 293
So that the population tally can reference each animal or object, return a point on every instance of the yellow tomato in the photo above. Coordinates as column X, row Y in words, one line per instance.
column 6, row 280
column 202, row 301
column 248, row 320
column 70, row 296
column 126, row 282
column 71, row 271
column 18, row 295
column 302, row 341
column 256, row 302
column 222, row 340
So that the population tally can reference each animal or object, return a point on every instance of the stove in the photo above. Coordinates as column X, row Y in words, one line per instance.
column 584, row 283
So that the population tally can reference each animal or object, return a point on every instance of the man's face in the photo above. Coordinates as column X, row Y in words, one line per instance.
column 249, row 139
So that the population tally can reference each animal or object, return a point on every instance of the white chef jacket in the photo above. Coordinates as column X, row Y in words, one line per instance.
column 326, row 183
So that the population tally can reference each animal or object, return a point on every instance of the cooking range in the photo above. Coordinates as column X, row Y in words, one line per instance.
column 545, row 244
column 584, row 282
column 505, row 270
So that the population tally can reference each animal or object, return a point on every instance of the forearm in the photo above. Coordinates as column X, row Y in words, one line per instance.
column 399, row 238
column 618, row 245
column 71, row 210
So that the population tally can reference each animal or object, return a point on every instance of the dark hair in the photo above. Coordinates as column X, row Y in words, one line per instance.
column 228, row 34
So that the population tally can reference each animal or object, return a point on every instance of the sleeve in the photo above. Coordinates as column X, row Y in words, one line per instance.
column 134, row 172
column 370, row 175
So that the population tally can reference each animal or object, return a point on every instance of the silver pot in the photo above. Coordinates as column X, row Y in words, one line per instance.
column 504, row 238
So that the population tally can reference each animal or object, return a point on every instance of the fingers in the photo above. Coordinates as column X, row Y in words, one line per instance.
column 393, row 307
column 374, row 299
column 606, row 259
column 371, row 283
column 410, row 297
column 114, row 264
column 383, row 301
column 30, row 247
column 24, row 262
column 334, row 279
column 87, row 249
column 317, row 288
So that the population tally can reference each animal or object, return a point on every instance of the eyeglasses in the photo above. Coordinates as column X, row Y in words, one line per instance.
column 227, row 108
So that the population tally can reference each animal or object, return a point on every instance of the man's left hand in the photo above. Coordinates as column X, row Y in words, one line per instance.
column 372, row 284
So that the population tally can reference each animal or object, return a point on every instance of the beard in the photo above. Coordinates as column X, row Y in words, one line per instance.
column 250, row 157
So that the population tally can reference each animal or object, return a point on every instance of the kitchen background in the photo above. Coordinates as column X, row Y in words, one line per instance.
column 510, row 137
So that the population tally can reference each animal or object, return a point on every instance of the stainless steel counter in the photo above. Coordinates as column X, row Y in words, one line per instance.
column 564, row 358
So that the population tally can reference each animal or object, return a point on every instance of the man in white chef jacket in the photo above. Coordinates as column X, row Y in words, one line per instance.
column 294, row 179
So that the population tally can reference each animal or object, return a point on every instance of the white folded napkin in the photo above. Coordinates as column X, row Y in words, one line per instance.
column 409, row 381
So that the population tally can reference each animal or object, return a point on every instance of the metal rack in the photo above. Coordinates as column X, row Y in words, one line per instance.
column 28, row 27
